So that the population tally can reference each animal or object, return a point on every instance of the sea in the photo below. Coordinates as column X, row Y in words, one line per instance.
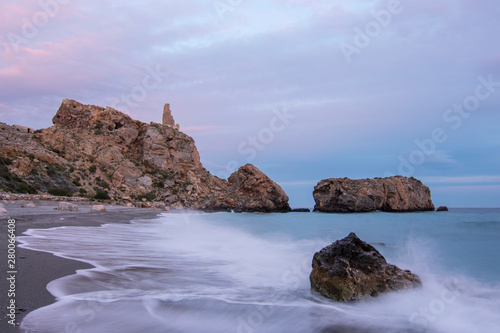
column 246, row 273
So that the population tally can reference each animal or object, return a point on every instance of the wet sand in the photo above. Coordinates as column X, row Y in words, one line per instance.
column 36, row 269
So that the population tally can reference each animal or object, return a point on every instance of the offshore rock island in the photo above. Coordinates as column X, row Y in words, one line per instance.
column 102, row 153
column 391, row 194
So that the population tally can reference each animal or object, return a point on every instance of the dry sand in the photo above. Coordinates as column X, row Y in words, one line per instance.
column 36, row 269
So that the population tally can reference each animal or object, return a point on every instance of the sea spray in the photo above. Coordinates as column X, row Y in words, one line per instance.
column 249, row 273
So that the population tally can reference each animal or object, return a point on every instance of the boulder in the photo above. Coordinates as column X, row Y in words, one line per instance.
column 3, row 213
column 351, row 269
column 251, row 190
column 144, row 204
column 69, row 207
column 442, row 209
column 177, row 206
column 99, row 208
column 392, row 194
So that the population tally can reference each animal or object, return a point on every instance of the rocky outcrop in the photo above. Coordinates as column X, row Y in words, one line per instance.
column 102, row 153
column 252, row 190
column 392, row 194
column 442, row 209
column 350, row 270
column 168, row 119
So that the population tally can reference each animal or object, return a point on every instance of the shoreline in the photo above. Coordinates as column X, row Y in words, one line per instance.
column 35, row 269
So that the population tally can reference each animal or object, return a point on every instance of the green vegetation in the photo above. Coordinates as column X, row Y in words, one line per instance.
column 148, row 196
column 23, row 187
column 102, row 183
column 92, row 168
column 5, row 161
column 11, row 182
column 58, row 152
column 60, row 192
column 168, row 175
column 101, row 195
column 55, row 169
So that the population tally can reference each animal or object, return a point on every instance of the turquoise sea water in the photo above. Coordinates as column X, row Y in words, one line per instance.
column 195, row 272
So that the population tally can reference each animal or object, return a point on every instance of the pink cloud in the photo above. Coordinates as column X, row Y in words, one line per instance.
column 12, row 14
column 55, row 66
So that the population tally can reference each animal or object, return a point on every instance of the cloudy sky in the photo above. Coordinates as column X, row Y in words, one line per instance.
column 305, row 90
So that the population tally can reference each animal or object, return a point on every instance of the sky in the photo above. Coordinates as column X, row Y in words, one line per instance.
column 304, row 90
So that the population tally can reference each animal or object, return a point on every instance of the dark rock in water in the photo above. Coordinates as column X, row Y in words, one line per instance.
column 379, row 244
column 351, row 269
column 301, row 210
column 442, row 209
column 392, row 194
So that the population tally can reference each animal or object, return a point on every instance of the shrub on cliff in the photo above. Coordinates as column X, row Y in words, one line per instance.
column 10, row 182
column 60, row 192
column 148, row 196
column 102, row 195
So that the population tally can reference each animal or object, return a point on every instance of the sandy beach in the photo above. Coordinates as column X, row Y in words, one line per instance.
column 35, row 269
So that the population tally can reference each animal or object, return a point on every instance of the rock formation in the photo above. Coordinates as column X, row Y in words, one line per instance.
column 168, row 119
column 251, row 190
column 350, row 270
column 24, row 129
column 442, row 209
column 99, row 152
column 66, row 206
column 392, row 194
column 301, row 210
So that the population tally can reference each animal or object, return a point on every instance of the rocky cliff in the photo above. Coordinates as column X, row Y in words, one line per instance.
column 392, row 194
column 92, row 151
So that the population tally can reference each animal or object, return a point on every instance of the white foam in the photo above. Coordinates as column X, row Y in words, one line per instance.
column 196, row 273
